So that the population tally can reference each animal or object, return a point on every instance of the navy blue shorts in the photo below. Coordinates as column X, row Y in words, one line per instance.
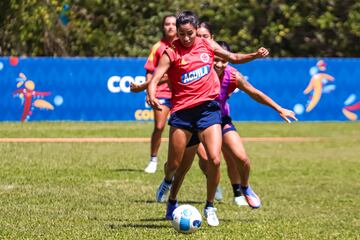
column 194, row 140
column 226, row 126
column 197, row 118
column 165, row 102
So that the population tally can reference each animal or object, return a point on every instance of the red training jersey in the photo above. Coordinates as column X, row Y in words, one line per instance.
column 192, row 76
column 162, row 91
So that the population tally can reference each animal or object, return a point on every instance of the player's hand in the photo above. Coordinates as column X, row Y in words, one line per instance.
column 135, row 87
column 287, row 115
column 153, row 102
column 262, row 52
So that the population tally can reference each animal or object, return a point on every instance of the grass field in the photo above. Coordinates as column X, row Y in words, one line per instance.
column 98, row 190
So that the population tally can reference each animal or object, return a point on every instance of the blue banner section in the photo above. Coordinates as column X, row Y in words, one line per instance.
column 98, row 89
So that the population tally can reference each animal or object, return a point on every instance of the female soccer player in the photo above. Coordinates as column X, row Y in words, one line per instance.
column 204, row 30
column 163, row 92
column 232, row 147
column 195, row 86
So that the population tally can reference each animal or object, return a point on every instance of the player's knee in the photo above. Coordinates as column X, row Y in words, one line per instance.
column 159, row 127
column 172, row 166
column 245, row 161
column 215, row 161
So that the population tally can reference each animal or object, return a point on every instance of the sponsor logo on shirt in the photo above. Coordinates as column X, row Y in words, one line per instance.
column 195, row 74
column 205, row 57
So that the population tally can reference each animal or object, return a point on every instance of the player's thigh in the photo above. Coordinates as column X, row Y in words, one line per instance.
column 160, row 117
column 178, row 139
column 211, row 139
column 188, row 159
column 233, row 145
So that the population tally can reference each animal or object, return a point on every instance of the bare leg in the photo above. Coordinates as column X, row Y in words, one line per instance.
column 232, row 168
column 234, row 153
column 202, row 159
column 203, row 163
column 159, row 125
column 177, row 143
column 182, row 170
column 211, row 139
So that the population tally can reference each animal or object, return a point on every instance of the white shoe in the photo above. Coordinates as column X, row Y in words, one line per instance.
column 240, row 201
column 151, row 167
column 211, row 218
column 218, row 194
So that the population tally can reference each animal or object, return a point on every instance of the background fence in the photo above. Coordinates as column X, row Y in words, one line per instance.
column 97, row 89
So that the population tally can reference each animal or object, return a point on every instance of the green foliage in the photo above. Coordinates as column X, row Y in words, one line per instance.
column 129, row 28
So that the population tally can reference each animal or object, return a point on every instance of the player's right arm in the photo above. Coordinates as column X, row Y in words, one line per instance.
column 262, row 98
column 238, row 58
column 161, row 69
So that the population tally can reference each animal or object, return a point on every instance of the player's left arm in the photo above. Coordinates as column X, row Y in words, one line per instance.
column 262, row 98
column 237, row 58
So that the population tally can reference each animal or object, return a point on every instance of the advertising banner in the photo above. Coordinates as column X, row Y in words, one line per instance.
column 98, row 89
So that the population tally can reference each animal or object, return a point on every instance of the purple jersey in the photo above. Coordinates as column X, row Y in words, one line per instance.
column 228, row 85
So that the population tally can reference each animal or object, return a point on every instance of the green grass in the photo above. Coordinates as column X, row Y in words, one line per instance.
column 310, row 190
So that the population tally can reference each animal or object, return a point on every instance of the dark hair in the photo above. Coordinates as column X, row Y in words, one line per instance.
column 206, row 25
column 224, row 45
column 187, row 17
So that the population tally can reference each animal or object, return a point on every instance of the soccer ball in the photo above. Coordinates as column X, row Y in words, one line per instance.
column 186, row 219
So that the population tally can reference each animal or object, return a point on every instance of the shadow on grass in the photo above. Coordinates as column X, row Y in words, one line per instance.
column 153, row 201
column 144, row 201
column 154, row 220
column 136, row 225
column 127, row 170
column 190, row 202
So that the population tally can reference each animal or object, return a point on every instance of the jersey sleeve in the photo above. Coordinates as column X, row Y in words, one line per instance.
column 153, row 58
column 234, row 75
column 170, row 51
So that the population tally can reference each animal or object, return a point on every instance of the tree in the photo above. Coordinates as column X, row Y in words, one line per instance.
column 326, row 28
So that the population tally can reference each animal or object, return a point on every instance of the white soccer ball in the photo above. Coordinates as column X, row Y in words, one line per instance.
column 186, row 219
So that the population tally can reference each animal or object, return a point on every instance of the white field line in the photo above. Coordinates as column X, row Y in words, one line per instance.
column 101, row 139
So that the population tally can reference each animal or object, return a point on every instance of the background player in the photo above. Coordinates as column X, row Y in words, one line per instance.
column 163, row 92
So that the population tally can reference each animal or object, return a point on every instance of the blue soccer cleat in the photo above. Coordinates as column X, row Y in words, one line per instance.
column 170, row 209
column 162, row 191
column 251, row 198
